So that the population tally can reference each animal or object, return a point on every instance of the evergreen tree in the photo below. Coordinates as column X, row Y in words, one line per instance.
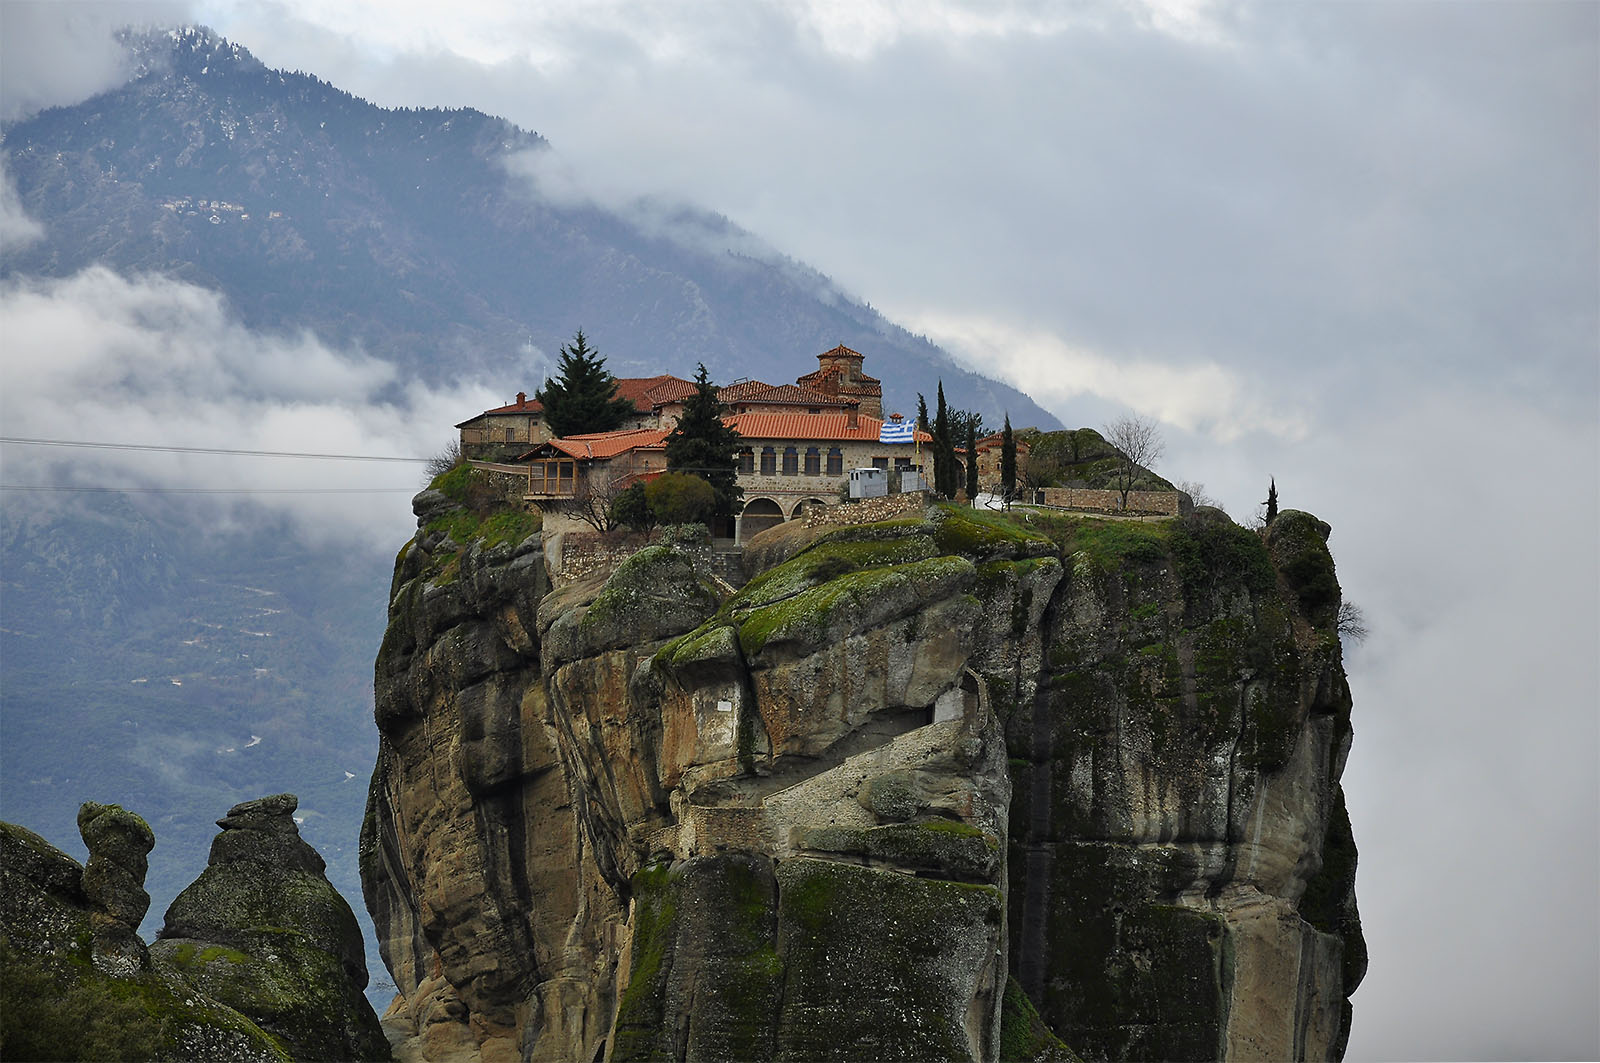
column 583, row 396
column 944, row 480
column 1272, row 501
column 922, row 414
column 972, row 461
column 703, row 445
column 1008, row 461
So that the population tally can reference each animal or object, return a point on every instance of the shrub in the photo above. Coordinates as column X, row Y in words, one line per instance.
column 680, row 498
column 632, row 507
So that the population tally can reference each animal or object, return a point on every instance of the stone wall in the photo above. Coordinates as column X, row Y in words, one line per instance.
column 571, row 556
column 868, row 510
column 1155, row 503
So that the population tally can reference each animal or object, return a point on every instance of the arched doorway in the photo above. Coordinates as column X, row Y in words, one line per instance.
column 758, row 515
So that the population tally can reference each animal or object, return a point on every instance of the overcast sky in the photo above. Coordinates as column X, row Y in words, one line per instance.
column 1352, row 246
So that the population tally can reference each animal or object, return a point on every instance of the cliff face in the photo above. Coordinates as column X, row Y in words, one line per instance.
column 856, row 808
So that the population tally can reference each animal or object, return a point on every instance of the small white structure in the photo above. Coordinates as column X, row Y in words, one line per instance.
column 871, row 482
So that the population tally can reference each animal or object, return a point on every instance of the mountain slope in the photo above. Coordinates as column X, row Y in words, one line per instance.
column 411, row 233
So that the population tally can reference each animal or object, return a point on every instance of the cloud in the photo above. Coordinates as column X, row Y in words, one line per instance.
column 16, row 228
column 149, row 360
column 56, row 54
column 1208, row 399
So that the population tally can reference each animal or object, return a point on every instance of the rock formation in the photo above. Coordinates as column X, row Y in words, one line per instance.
column 943, row 786
column 263, row 931
column 260, row 960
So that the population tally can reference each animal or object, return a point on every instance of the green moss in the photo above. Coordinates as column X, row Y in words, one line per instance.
column 1024, row 1037
column 1298, row 545
column 56, row 1009
column 641, row 1010
column 806, row 616
column 1108, row 544
column 949, row 848
column 849, row 933
column 828, row 559
column 979, row 533
column 646, row 588
column 455, row 483
column 498, row 529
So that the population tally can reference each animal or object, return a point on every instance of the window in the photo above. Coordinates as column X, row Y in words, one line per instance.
column 835, row 461
column 791, row 461
column 769, row 462
column 511, row 435
column 880, row 463
column 813, row 461
column 902, row 463
column 747, row 461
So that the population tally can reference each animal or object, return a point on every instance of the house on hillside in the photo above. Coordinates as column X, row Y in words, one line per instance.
column 505, row 433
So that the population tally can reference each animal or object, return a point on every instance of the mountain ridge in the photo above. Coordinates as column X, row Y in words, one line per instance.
column 421, row 235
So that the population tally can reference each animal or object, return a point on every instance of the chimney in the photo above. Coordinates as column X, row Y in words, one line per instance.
column 522, row 399
column 850, row 415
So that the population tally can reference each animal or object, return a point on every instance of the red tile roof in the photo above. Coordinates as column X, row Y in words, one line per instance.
column 793, row 395
column 527, row 405
column 646, row 393
column 863, row 384
column 603, row 445
column 742, row 390
column 826, row 427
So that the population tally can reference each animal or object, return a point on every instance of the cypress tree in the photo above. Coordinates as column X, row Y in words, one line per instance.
column 583, row 397
column 702, row 444
column 1008, row 461
column 1272, row 501
column 944, row 481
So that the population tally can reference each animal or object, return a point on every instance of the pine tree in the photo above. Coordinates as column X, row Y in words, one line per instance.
column 972, row 462
column 1272, row 501
column 1008, row 461
column 583, row 396
column 702, row 444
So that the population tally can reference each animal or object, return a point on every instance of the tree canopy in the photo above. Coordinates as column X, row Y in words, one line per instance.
column 582, row 397
column 702, row 444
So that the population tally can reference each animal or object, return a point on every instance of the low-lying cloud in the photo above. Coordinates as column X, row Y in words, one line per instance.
column 152, row 361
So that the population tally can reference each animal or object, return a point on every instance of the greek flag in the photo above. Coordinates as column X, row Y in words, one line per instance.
column 893, row 432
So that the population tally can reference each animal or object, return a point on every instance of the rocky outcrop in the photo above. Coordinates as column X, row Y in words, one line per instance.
column 261, row 959
column 119, row 845
column 264, row 932
column 944, row 786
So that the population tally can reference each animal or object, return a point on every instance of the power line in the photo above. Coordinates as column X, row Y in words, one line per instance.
column 204, row 450
column 211, row 490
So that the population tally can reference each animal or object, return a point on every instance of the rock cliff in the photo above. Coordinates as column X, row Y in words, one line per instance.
column 260, row 959
column 943, row 786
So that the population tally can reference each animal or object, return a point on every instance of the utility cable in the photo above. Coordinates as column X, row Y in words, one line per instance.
column 211, row 490
column 204, row 450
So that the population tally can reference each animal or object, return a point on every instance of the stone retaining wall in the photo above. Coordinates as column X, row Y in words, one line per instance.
column 571, row 556
column 1154, row 503
column 868, row 510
